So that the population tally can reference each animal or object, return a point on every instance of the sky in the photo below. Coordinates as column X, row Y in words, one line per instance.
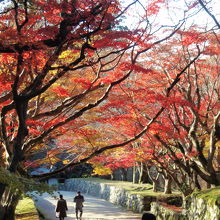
column 176, row 12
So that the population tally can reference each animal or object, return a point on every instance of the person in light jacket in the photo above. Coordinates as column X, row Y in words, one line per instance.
column 61, row 208
column 79, row 199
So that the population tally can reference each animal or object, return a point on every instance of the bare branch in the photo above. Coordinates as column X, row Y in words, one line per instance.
column 209, row 13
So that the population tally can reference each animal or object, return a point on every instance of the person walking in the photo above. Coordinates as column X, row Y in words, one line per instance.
column 61, row 208
column 79, row 199
column 148, row 216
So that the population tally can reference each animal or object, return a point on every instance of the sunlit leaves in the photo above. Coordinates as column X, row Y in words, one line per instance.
column 192, row 37
column 61, row 91
column 85, row 83
column 98, row 169
column 106, row 163
column 154, row 7
column 78, row 82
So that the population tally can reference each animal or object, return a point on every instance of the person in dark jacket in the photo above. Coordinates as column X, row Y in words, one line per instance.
column 148, row 216
column 79, row 199
column 61, row 208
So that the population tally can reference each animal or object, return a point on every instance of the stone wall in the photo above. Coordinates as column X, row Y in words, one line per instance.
column 195, row 208
column 110, row 193
column 164, row 213
column 203, row 208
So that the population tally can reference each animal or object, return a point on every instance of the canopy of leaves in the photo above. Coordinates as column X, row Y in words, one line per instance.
column 74, row 83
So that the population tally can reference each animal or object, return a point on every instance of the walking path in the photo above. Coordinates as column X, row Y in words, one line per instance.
column 94, row 208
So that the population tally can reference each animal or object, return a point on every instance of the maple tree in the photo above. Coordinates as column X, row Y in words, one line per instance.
column 71, row 74
column 187, row 131
column 59, row 61
column 191, row 122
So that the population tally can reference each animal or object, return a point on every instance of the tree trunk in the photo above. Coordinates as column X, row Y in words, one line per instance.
column 210, row 178
column 168, row 185
column 123, row 174
column 197, row 184
column 140, row 170
column 134, row 174
column 155, row 182
column 2, row 190
column 145, row 177
column 8, row 199
column 8, row 205
column 155, row 185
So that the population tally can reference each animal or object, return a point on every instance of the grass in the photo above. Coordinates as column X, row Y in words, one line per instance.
column 133, row 188
column 26, row 210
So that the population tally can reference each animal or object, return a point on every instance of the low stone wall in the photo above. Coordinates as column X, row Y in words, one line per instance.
column 164, row 213
column 195, row 208
column 110, row 193
column 198, row 208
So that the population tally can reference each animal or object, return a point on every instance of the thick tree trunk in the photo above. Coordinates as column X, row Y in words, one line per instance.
column 196, row 181
column 154, row 179
column 211, row 178
column 8, row 199
column 8, row 205
column 156, row 182
column 143, row 174
column 2, row 190
column 168, row 185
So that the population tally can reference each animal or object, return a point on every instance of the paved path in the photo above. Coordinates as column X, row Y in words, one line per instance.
column 94, row 208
